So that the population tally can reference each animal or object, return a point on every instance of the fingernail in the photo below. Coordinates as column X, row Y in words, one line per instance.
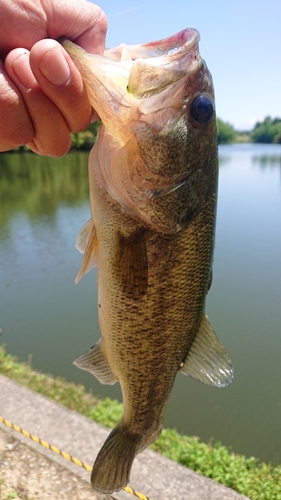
column 54, row 67
column 23, row 72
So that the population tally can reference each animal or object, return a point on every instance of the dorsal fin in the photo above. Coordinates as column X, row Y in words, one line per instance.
column 87, row 243
column 207, row 360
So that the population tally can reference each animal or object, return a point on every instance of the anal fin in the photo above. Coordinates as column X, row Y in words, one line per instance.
column 94, row 362
column 87, row 243
column 207, row 360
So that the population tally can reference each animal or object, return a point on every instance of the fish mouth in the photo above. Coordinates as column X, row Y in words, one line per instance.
column 134, row 72
column 158, row 65
column 183, row 41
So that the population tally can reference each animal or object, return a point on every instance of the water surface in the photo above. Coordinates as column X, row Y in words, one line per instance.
column 44, row 202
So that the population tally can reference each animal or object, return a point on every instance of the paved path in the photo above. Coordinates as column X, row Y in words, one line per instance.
column 27, row 474
column 153, row 475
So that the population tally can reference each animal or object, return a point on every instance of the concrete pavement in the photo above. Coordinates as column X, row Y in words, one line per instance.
column 153, row 475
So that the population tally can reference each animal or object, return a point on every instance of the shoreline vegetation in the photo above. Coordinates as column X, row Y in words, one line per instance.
column 267, row 132
column 248, row 476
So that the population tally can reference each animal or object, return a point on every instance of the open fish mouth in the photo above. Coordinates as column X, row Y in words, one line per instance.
column 183, row 41
column 135, row 72
column 158, row 64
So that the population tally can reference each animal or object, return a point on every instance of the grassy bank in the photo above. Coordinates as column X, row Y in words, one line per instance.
column 256, row 480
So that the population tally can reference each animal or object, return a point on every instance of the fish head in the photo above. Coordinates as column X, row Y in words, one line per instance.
column 157, row 149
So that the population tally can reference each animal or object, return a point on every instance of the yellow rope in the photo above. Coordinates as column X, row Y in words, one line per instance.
column 65, row 455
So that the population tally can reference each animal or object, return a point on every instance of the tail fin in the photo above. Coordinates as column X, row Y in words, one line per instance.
column 111, row 470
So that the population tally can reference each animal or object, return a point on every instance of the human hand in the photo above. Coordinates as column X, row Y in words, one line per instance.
column 42, row 96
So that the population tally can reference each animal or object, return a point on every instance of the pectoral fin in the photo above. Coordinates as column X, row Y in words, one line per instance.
column 207, row 360
column 94, row 362
column 130, row 264
column 83, row 236
column 87, row 244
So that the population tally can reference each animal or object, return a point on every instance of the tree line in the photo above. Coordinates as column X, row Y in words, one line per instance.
column 268, row 132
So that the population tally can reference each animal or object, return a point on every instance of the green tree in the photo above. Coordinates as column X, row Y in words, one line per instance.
column 268, row 131
column 86, row 139
column 226, row 133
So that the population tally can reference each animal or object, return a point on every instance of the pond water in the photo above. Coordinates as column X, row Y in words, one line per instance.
column 43, row 314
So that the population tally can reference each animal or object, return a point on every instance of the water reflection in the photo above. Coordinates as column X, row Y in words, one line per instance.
column 258, row 155
column 264, row 162
column 267, row 161
column 224, row 160
column 271, row 160
column 39, row 185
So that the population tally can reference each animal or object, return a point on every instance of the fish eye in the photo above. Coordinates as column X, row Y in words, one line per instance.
column 202, row 109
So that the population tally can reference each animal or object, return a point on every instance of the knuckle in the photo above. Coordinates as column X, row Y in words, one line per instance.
column 97, row 17
column 9, row 99
column 15, row 126
column 102, row 21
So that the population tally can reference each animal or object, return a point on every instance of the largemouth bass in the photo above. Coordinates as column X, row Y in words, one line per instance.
column 153, row 190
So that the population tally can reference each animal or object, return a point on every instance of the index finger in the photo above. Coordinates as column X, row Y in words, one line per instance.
column 61, row 81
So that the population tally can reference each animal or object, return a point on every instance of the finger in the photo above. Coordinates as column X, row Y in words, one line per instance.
column 51, row 133
column 83, row 22
column 93, row 39
column 16, row 128
column 61, row 81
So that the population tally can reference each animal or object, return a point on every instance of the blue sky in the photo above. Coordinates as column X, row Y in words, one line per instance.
column 240, row 42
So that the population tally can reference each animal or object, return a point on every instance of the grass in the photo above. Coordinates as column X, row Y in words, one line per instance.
column 258, row 481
